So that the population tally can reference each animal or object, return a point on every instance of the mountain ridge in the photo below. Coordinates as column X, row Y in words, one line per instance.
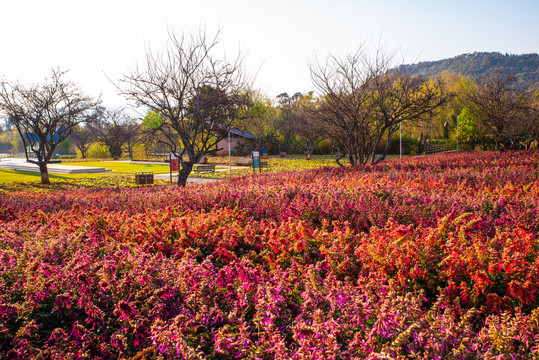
column 525, row 67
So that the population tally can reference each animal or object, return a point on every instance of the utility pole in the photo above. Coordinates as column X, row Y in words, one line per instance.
column 400, row 140
column 457, row 133
column 229, row 155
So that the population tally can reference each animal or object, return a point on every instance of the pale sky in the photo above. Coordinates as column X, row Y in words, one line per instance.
column 277, row 38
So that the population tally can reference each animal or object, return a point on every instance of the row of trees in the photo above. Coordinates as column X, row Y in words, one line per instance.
column 193, row 98
column 116, row 130
column 486, row 112
column 496, row 111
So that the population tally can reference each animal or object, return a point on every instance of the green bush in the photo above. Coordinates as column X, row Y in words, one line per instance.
column 66, row 157
column 98, row 151
column 469, row 136
column 410, row 146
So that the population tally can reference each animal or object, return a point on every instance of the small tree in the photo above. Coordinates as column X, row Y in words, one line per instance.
column 83, row 137
column 194, row 92
column 284, row 122
column 45, row 115
column 115, row 130
column 133, row 137
column 306, row 129
column 468, row 134
column 157, row 138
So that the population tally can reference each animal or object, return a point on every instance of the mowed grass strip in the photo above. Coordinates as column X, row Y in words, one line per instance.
column 30, row 176
column 121, row 167
column 118, row 168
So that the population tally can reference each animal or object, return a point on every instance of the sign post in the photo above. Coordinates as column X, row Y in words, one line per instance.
column 256, row 161
column 229, row 155
column 174, row 164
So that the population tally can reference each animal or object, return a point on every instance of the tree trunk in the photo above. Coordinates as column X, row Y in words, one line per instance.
column 44, row 174
column 351, row 158
column 115, row 152
column 340, row 155
column 184, row 173
column 386, row 149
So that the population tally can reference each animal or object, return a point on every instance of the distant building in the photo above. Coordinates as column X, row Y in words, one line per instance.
column 241, row 143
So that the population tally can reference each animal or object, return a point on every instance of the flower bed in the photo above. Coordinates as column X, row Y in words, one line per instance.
column 431, row 257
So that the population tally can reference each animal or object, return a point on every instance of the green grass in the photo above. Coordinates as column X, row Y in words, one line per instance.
column 123, row 167
column 119, row 168
column 276, row 164
column 29, row 176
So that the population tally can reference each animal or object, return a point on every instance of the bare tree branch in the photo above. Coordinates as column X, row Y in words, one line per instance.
column 363, row 102
column 505, row 113
column 192, row 90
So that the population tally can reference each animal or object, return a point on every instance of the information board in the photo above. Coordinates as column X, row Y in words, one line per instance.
column 174, row 164
column 256, row 160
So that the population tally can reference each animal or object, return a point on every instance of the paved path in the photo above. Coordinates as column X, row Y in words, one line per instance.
column 193, row 180
column 218, row 167
column 53, row 168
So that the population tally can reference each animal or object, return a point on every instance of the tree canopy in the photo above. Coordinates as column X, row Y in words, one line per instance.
column 193, row 91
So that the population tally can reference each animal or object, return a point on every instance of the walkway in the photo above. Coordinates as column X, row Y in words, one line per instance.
column 22, row 165
column 193, row 180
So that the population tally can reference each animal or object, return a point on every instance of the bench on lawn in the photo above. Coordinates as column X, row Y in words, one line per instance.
column 205, row 168
column 244, row 162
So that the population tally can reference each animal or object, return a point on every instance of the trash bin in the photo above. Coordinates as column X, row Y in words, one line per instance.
column 144, row 177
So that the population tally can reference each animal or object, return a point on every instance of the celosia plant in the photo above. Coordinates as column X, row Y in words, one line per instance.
column 428, row 258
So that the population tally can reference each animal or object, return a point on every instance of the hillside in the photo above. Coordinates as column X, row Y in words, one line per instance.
column 525, row 67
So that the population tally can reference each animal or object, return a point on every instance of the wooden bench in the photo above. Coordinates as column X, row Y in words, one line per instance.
column 205, row 168
column 244, row 162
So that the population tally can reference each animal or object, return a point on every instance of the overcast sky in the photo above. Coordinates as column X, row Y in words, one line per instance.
column 98, row 37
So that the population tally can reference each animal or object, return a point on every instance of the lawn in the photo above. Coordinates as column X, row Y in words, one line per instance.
column 121, row 167
column 276, row 164
column 7, row 176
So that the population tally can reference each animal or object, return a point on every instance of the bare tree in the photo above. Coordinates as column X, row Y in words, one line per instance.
column 530, row 124
column 363, row 102
column 157, row 137
column 284, row 121
column 194, row 92
column 505, row 113
column 400, row 98
column 133, row 137
column 45, row 115
column 116, row 129
column 305, row 127
column 83, row 137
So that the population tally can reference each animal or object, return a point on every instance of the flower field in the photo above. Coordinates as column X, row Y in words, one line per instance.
column 421, row 258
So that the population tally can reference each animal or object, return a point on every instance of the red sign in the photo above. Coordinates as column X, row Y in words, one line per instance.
column 174, row 164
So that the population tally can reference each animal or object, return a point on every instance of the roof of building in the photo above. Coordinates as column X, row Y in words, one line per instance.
column 242, row 133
